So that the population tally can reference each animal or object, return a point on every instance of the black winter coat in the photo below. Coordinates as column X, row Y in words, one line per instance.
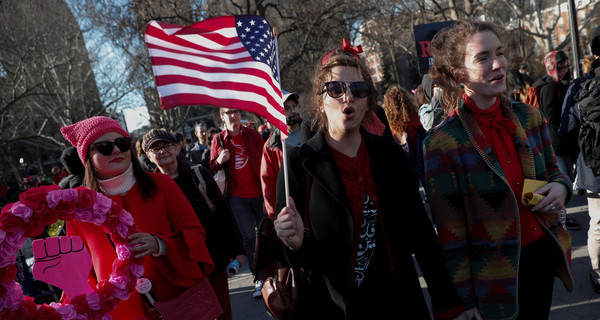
column 551, row 96
column 223, row 237
column 71, row 181
column 327, row 252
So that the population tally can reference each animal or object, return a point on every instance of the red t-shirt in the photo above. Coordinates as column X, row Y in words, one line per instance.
column 358, row 182
column 247, row 183
column 357, row 178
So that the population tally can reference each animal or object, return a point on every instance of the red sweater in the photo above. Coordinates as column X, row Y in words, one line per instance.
column 167, row 215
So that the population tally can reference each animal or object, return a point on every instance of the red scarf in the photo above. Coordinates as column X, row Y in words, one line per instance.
column 499, row 132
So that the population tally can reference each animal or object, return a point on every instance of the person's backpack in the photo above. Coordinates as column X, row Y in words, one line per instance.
column 532, row 96
column 588, row 102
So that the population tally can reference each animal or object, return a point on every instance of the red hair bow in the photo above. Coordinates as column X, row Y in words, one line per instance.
column 345, row 47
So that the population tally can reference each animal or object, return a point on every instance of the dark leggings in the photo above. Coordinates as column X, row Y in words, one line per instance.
column 536, row 280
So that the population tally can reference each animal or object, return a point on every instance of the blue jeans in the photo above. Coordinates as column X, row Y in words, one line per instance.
column 248, row 212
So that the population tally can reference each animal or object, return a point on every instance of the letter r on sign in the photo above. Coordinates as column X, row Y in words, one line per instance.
column 425, row 49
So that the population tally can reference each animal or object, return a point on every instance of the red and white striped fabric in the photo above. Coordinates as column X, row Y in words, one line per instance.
column 228, row 61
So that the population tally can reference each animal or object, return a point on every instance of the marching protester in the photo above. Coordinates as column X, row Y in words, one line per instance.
column 70, row 160
column 354, row 219
column 200, row 153
column 518, row 81
column 588, row 100
column 237, row 150
column 402, row 113
column 143, row 158
column 223, row 238
column 552, row 89
column 272, row 154
column 171, row 239
column 431, row 111
column 502, row 256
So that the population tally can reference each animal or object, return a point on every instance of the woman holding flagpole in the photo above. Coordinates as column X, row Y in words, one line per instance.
column 355, row 217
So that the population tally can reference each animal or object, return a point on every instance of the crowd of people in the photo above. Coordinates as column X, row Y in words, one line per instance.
column 351, row 215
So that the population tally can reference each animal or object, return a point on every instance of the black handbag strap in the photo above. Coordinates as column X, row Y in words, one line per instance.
column 201, row 185
column 221, row 141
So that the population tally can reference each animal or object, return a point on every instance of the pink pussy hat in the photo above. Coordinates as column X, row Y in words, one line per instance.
column 84, row 132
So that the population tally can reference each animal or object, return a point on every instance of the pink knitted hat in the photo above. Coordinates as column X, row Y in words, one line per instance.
column 84, row 132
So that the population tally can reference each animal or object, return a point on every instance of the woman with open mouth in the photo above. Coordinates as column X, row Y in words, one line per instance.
column 355, row 216
column 502, row 255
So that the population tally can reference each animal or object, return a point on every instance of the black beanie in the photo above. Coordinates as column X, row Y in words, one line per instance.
column 70, row 160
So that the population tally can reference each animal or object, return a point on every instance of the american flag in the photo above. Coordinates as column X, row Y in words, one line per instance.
column 228, row 61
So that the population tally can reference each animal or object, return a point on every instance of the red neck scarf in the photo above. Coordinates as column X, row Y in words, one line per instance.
column 499, row 133
column 491, row 117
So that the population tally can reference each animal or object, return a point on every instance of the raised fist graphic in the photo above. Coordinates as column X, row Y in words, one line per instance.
column 63, row 262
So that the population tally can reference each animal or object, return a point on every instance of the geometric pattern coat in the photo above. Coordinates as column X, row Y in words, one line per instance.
column 476, row 212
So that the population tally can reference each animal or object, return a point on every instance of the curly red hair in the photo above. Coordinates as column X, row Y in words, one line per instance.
column 398, row 105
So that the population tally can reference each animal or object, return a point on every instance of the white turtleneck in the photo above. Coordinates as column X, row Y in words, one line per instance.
column 119, row 184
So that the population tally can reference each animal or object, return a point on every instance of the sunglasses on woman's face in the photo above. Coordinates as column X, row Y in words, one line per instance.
column 107, row 147
column 336, row 89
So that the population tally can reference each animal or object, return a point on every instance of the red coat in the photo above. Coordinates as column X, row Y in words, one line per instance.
column 272, row 156
column 167, row 215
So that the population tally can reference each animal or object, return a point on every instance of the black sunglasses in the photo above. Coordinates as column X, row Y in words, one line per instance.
column 336, row 89
column 107, row 147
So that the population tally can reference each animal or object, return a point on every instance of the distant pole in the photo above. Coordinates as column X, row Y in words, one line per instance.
column 574, row 38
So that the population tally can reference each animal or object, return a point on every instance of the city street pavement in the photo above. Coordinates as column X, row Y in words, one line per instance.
column 582, row 304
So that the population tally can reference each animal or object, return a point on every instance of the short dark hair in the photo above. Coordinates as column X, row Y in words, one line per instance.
column 179, row 136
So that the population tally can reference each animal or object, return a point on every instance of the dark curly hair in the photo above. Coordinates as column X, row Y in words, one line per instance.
column 448, row 50
column 323, row 74
column 399, row 104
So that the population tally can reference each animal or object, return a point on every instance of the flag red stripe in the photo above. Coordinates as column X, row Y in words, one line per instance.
column 224, row 85
column 208, row 69
column 213, row 36
column 191, row 65
column 211, row 24
column 162, row 35
column 173, row 48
